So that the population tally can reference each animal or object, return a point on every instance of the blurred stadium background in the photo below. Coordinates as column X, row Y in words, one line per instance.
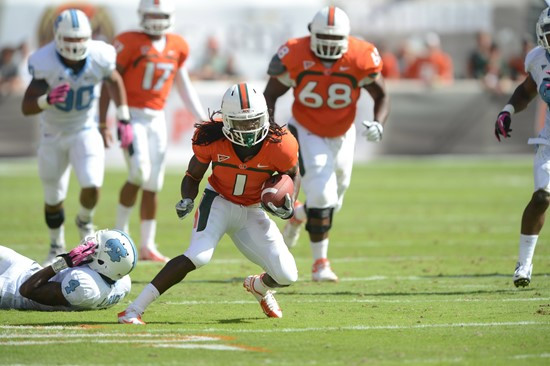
column 426, row 117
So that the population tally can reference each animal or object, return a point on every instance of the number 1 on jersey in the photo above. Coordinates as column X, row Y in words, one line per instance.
column 149, row 74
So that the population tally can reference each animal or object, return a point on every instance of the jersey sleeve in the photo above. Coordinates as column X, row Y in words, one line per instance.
column 202, row 153
column 183, row 48
column 80, row 289
column 368, row 61
column 37, row 65
column 276, row 66
column 287, row 153
column 124, row 49
column 105, row 57
column 530, row 59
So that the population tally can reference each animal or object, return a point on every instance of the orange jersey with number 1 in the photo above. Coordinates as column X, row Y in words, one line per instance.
column 325, row 98
column 149, row 74
column 241, row 182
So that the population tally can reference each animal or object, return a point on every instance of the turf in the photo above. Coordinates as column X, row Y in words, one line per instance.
column 425, row 250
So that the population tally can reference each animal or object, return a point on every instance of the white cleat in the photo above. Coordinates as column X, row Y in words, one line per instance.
column 55, row 250
column 129, row 316
column 522, row 275
column 321, row 271
column 152, row 254
column 269, row 305
column 85, row 229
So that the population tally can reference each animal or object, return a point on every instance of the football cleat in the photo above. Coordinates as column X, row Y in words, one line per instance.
column 130, row 317
column 267, row 301
column 522, row 275
column 322, row 272
column 55, row 250
column 291, row 231
column 152, row 254
column 85, row 229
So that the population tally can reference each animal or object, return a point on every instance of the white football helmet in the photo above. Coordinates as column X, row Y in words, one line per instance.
column 72, row 33
column 244, row 114
column 115, row 255
column 152, row 25
column 329, row 33
column 543, row 29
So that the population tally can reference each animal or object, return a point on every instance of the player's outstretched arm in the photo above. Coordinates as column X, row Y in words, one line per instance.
column 525, row 93
column 190, row 186
column 377, row 91
column 273, row 90
column 189, row 95
column 104, row 101
column 521, row 97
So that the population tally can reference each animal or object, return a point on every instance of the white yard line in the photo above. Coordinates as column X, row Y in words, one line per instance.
column 152, row 332
column 239, row 302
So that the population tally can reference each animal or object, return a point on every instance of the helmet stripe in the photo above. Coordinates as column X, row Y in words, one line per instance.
column 331, row 11
column 243, row 95
column 74, row 18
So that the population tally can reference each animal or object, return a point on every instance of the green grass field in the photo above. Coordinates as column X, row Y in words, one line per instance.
column 425, row 250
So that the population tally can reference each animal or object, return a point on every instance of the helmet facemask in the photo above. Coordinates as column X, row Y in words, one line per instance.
column 244, row 115
column 543, row 29
column 246, row 131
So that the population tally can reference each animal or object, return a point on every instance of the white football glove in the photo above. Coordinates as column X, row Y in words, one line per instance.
column 184, row 207
column 284, row 212
column 374, row 130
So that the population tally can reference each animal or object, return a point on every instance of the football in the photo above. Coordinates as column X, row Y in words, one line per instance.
column 275, row 188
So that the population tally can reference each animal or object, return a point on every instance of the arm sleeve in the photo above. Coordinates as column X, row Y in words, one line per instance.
column 189, row 95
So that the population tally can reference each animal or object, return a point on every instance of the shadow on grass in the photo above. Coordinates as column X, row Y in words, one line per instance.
column 228, row 280
column 404, row 293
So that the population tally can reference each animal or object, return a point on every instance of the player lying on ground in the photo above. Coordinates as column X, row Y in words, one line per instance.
column 92, row 276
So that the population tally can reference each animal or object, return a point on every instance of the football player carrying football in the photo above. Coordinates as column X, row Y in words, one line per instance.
column 244, row 149
column 150, row 61
column 327, row 71
column 67, row 74
column 92, row 276
column 536, row 82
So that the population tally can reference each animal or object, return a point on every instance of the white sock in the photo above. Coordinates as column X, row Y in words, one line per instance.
column 527, row 244
column 57, row 236
column 145, row 298
column 148, row 232
column 86, row 214
column 123, row 217
column 300, row 213
column 319, row 249
column 259, row 285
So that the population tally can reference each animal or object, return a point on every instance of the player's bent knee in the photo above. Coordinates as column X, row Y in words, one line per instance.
column 200, row 259
column 285, row 278
column 319, row 220
column 54, row 220
column 541, row 197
